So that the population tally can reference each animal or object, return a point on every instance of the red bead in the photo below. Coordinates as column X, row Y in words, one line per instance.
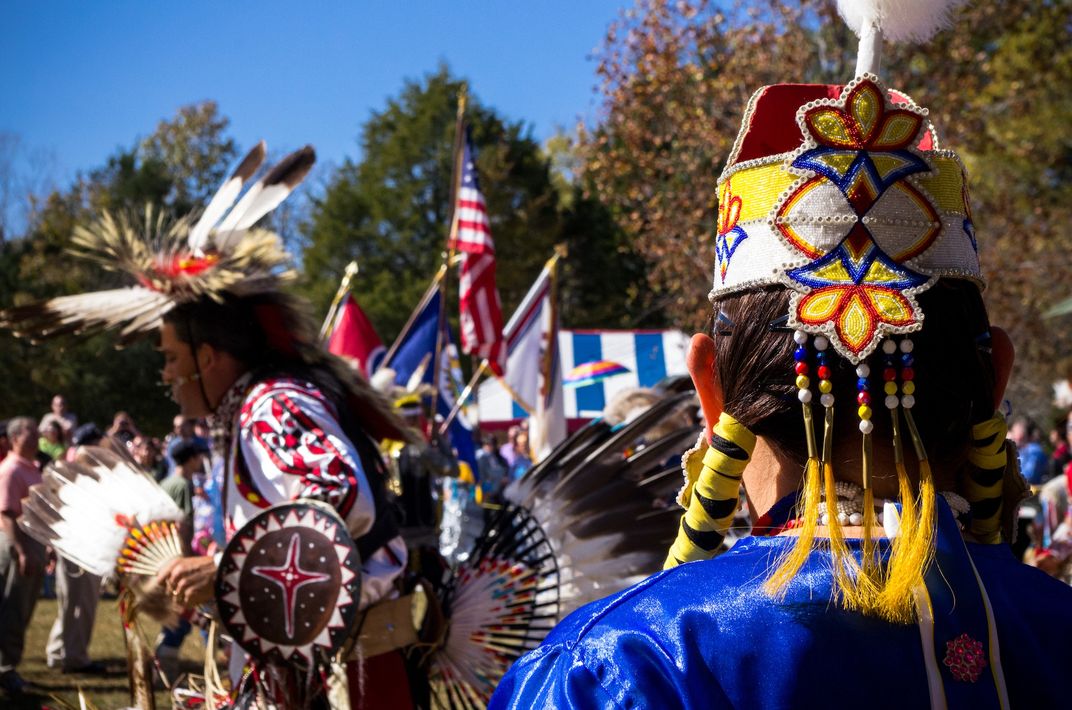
column 889, row 374
column 908, row 374
column 863, row 399
column 802, row 368
column 824, row 372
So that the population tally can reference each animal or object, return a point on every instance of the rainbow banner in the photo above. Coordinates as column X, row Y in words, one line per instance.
column 589, row 373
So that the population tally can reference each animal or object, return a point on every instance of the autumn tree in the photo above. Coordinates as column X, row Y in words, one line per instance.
column 194, row 149
column 675, row 78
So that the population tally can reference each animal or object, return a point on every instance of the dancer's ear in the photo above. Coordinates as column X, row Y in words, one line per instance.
column 1003, row 353
column 701, row 364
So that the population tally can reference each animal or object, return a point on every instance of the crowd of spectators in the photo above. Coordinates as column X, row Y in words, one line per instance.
column 183, row 464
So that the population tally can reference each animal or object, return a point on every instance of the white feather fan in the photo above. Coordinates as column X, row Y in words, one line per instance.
column 103, row 514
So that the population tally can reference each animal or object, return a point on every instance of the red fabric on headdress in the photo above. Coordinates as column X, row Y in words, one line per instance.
column 772, row 123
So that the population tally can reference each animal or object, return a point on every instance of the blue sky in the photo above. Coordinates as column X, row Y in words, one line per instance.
column 81, row 79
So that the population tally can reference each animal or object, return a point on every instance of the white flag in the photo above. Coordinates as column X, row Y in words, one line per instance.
column 534, row 367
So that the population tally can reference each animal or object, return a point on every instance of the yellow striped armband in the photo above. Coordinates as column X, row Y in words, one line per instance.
column 715, row 496
column 988, row 457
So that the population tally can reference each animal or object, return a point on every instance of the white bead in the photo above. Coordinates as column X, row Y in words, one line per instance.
column 889, row 347
column 800, row 337
column 906, row 345
column 862, row 370
column 821, row 342
column 827, row 400
column 892, row 401
column 856, row 518
column 866, row 426
column 842, row 518
column 824, row 520
column 804, row 396
column 908, row 401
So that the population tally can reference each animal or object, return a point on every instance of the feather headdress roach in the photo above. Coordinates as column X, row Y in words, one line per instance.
column 215, row 257
column 175, row 261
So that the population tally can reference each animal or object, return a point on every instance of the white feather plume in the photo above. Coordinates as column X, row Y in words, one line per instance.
column 899, row 20
column 225, row 197
column 268, row 192
column 86, row 510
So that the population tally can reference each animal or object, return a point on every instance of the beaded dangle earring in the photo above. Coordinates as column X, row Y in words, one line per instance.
column 857, row 589
column 808, row 503
column 864, row 412
column 913, row 545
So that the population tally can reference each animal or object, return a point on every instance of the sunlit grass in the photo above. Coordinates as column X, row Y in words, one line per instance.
column 107, row 691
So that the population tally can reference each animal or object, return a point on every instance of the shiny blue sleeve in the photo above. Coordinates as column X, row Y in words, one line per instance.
column 606, row 667
column 552, row 678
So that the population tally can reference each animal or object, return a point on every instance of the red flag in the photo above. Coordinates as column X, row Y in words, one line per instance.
column 355, row 339
column 481, row 310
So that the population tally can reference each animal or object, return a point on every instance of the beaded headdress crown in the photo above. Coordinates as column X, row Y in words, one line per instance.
column 843, row 195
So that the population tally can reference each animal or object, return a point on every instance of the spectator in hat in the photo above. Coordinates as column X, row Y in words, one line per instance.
column 183, row 432
column 189, row 457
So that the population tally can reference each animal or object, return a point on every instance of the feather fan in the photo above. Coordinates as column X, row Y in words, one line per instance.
column 501, row 602
column 104, row 514
column 594, row 517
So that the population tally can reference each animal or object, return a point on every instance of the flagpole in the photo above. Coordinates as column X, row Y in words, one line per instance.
column 448, row 260
column 428, row 293
column 333, row 310
column 561, row 251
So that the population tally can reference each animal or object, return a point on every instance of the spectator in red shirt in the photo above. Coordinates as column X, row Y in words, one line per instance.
column 22, row 559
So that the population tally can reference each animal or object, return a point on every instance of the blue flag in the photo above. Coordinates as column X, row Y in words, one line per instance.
column 415, row 352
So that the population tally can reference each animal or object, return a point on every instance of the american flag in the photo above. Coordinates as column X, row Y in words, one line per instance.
column 481, row 310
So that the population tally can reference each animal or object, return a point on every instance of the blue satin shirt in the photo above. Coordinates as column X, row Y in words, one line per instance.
column 705, row 635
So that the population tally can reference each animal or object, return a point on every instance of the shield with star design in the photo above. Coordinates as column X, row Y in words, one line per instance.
column 289, row 583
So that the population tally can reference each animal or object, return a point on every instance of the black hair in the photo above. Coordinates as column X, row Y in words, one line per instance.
column 186, row 450
column 954, row 376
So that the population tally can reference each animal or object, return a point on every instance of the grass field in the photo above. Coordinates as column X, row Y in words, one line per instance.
column 105, row 692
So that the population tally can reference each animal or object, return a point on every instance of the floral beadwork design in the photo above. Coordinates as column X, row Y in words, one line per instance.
column 965, row 658
column 859, row 219
column 730, row 235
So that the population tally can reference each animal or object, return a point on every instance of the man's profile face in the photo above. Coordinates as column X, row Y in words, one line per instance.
column 180, row 372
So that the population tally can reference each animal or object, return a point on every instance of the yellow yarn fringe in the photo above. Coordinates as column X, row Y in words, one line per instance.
column 913, row 548
column 792, row 561
column 871, row 567
column 856, row 589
